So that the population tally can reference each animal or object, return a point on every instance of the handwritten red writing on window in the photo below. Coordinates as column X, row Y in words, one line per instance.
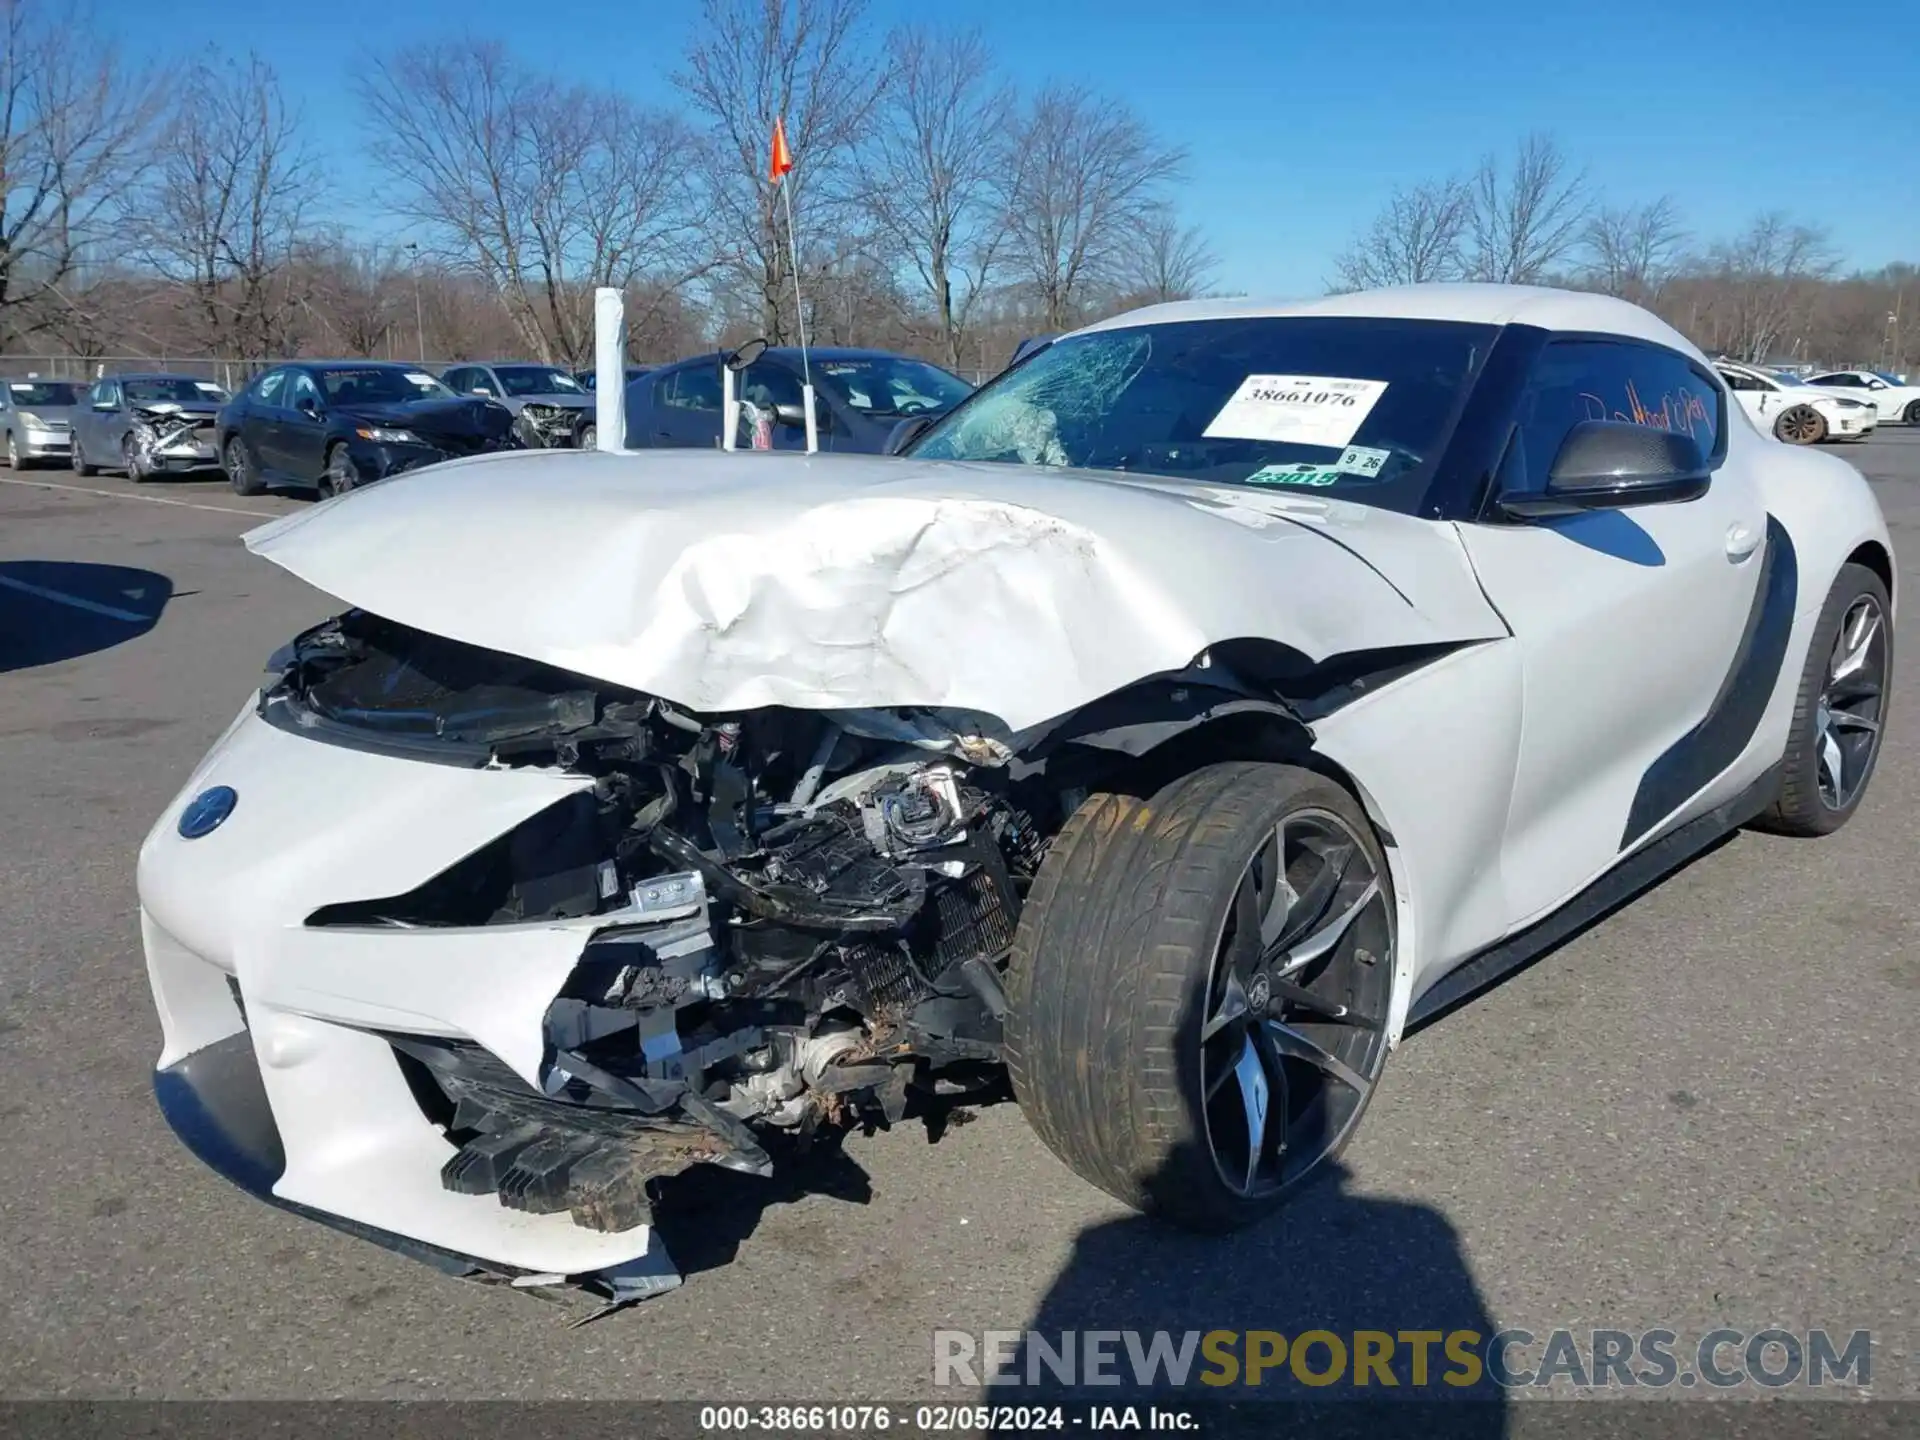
column 1680, row 410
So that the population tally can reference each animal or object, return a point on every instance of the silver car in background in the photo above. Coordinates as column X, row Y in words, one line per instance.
column 547, row 402
column 37, row 416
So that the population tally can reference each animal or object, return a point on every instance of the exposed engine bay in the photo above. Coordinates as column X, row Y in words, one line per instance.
column 546, row 426
column 166, row 432
column 809, row 914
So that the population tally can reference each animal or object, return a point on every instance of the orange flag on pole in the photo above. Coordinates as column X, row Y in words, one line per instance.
column 782, row 157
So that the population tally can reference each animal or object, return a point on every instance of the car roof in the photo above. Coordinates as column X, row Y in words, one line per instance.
column 350, row 363
column 1549, row 309
column 157, row 375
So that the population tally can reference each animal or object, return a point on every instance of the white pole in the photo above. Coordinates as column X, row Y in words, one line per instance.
column 609, row 368
column 800, row 318
column 729, row 406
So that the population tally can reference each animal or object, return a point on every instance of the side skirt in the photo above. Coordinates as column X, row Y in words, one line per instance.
column 1638, row 872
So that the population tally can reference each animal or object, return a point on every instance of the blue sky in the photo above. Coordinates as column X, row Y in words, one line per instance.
column 1301, row 114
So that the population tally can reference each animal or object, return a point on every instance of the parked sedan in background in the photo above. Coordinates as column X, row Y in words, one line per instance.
column 1891, row 400
column 332, row 425
column 1795, row 413
column 148, row 425
column 860, row 396
column 37, row 416
column 546, row 401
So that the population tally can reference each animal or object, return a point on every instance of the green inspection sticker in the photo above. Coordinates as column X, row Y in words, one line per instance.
column 1302, row 474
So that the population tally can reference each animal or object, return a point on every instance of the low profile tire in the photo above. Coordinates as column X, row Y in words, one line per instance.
column 1801, row 425
column 79, row 463
column 1913, row 413
column 242, row 474
column 1839, row 712
column 1198, row 992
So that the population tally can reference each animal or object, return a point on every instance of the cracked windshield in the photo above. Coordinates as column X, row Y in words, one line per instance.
column 1332, row 405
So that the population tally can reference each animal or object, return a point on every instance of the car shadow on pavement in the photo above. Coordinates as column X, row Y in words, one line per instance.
column 1331, row 1261
column 53, row 610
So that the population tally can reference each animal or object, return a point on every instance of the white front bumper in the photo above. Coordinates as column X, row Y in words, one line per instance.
column 317, row 823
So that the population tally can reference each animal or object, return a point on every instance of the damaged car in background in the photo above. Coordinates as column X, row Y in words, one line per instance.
column 333, row 426
column 1194, row 709
column 549, row 404
column 148, row 425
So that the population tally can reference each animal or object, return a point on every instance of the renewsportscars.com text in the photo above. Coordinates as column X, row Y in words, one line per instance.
column 1413, row 1359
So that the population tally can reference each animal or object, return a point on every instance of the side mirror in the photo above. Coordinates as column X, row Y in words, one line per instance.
column 307, row 405
column 905, row 432
column 791, row 415
column 1611, row 464
column 745, row 355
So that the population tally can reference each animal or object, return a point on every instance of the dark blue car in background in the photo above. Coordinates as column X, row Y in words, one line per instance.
column 860, row 396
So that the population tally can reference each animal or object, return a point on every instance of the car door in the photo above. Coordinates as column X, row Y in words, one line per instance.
column 99, row 424
column 303, row 430
column 1627, row 622
column 259, row 426
column 686, row 411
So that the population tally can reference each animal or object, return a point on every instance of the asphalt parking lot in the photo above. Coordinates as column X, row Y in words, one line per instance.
column 1702, row 1112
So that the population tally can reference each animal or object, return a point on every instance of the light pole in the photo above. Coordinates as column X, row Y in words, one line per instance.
column 419, row 318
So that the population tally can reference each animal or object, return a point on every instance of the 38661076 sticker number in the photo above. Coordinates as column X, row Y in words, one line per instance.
column 1297, row 409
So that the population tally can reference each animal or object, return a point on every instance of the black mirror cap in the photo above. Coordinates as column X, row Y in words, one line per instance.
column 791, row 414
column 1612, row 464
column 745, row 355
column 905, row 432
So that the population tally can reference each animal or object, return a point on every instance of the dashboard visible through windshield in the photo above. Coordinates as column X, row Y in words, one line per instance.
column 1329, row 405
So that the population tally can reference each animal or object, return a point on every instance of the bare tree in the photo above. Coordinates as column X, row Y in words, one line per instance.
column 931, row 187
column 1164, row 260
column 1081, row 173
column 1527, row 215
column 1768, row 281
column 543, row 189
column 1418, row 238
column 75, row 127
column 1633, row 250
column 755, row 62
column 229, row 206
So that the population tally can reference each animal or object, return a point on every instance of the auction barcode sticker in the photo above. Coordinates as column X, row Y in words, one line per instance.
column 1296, row 410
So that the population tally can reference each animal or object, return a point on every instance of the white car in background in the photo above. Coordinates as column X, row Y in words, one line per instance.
column 1795, row 413
column 1891, row 400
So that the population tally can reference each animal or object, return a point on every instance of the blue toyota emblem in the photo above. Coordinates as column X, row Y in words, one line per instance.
column 207, row 811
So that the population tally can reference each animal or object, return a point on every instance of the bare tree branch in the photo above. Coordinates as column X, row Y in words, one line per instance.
column 755, row 62
column 75, row 132
column 1418, row 238
column 1527, row 215
column 1081, row 172
column 543, row 189
column 1164, row 260
column 1634, row 250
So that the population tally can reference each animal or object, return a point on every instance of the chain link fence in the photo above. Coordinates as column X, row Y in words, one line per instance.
column 84, row 369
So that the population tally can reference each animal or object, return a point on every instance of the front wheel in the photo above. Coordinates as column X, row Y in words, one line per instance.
column 589, row 438
column 1801, row 425
column 1839, row 710
column 14, row 462
column 341, row 474
column 136, row 468
column 1913, row 413
column 81, row 465
column 1198, row 993
column 242, row 474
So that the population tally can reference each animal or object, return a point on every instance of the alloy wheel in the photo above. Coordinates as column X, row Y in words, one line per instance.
column 1802, row 425
column 1847, row 715
column 1295, row 1032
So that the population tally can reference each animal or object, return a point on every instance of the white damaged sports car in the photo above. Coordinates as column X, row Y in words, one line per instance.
column 1218, row 693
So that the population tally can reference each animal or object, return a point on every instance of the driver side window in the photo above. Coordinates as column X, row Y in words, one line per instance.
column 1576, row 380
column 303, row 392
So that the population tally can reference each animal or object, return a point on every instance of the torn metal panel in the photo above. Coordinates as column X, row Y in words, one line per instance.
column 729, row 582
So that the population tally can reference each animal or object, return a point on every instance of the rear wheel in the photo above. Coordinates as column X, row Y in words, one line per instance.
column 1801, row 425
column 1839, row 712
column 242, row 474
column 1198, row 995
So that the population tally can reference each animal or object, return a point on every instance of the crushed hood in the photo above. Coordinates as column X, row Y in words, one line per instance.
column 731, row 581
